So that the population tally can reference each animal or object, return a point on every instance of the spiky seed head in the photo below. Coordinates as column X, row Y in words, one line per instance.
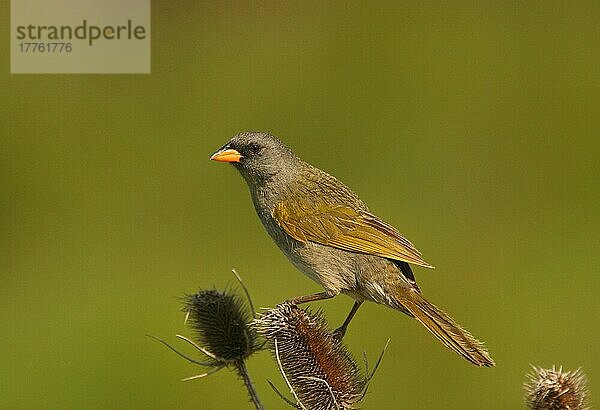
column 220, row 321
column 554, row 389
column 319, row 369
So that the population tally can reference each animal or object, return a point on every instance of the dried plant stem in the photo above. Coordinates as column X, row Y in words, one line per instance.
column 243, row 372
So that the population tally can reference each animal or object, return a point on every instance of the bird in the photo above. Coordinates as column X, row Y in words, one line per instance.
column 329, row 234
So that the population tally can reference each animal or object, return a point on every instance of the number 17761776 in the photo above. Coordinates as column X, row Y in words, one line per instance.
column 45, row 47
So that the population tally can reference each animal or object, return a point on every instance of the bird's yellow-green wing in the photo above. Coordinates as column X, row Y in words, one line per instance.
column 342, row 227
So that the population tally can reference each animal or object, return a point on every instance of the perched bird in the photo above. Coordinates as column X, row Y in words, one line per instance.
column 330, row 235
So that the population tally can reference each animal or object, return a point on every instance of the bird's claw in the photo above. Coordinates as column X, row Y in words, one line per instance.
column 287, row 303
column 338, row 334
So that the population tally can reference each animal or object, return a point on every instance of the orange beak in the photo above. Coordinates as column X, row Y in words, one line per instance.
column 226, row 155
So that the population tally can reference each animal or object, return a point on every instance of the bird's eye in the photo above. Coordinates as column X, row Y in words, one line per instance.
column 254, row 148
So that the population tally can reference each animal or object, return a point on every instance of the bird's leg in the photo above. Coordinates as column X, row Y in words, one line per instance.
column 311, row 298
column 341, row 331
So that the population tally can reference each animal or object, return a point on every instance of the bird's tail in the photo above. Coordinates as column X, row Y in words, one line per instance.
column 444, row 328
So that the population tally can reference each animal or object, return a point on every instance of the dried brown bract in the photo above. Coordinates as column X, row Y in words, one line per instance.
column 317, row 367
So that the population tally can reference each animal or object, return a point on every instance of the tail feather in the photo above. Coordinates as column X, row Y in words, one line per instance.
column 445, row 329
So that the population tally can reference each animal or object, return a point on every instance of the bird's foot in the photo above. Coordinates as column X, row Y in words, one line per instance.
column 338, row 334
column 287, row 304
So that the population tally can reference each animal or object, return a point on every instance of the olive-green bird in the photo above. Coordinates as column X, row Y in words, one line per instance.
column 330, row 235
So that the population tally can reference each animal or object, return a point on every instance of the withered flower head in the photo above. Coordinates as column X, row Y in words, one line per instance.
column 315, row 364
column 552, row 389
column 220, row 323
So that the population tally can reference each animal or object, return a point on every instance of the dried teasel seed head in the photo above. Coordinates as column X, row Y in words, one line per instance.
column 220, row 321
column 555, row 389
column 316, row 365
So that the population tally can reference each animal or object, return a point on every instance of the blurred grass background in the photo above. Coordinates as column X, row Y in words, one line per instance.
column 472, row 127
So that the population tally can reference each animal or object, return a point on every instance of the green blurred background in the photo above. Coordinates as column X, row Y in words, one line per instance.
column 471, row 126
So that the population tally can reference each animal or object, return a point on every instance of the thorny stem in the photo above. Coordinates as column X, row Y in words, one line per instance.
column 243, row 372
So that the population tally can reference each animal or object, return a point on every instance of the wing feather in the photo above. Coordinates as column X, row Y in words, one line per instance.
column 345, row 228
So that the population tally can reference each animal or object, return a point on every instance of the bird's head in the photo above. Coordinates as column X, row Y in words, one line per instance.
column 258, row 156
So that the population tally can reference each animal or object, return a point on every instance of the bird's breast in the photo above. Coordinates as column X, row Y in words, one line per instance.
column 334, row 269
